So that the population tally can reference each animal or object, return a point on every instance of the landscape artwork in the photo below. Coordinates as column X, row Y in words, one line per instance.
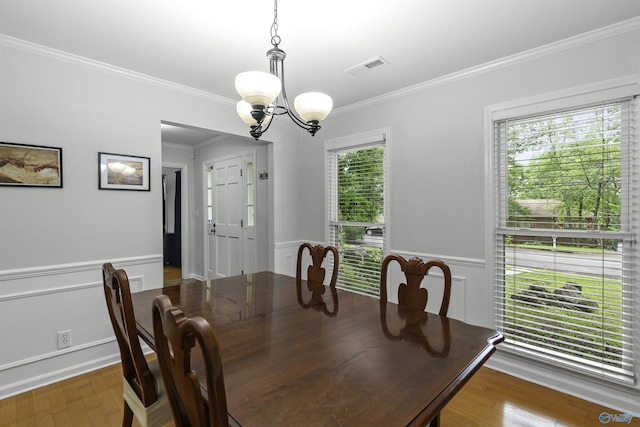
column 123, row 172
column 30, row 165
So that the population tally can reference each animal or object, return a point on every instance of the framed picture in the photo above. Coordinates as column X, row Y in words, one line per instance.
column 122, row 172
column 30, row 165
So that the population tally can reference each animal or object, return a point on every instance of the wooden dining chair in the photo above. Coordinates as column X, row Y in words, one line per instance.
column 410, row 294
column 143, row 390
column 316, row 276
column 175, row 337
column 413, row 297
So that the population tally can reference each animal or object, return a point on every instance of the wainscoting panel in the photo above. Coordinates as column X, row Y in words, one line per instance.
column 468, row 287
column 470, row 300
column 286, row 257
column 37, row 303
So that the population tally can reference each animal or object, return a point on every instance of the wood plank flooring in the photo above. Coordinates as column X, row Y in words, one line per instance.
column 171, row 272
column 489, row 399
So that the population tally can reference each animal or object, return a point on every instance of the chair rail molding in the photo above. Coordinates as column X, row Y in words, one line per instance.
column 57, row 298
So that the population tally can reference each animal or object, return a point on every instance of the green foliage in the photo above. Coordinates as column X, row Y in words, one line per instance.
column 360, row 201
column 574, row 160
column 360, row 268
column 361, row 185
column 516, row 210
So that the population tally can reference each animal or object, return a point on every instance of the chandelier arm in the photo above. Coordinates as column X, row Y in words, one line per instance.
column 297, row 120
column 266, row 127
column 277, row 68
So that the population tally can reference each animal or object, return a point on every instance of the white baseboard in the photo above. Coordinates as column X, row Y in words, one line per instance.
column 58, row 298
column 54, row 367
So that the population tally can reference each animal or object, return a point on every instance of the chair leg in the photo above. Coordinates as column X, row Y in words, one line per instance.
column 127, row 418
column 435, row 422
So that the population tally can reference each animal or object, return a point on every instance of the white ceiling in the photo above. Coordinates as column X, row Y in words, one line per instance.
column 203, row 44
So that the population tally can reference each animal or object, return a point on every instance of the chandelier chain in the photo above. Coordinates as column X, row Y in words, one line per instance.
column 275, row 38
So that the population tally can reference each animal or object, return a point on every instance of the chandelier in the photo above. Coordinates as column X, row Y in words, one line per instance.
column 264, row 96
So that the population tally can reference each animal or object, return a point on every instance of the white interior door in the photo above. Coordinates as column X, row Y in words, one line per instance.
column 225, row 228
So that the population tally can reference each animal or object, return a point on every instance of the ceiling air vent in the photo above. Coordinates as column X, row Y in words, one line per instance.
column 367, row 65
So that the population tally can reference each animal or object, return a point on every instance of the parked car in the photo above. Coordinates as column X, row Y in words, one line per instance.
column 374, row 231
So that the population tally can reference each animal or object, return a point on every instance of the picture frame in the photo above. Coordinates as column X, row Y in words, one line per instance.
column 123, row 172
column 27, row 165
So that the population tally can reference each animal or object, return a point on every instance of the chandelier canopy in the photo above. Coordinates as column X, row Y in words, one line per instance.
column 264, row 96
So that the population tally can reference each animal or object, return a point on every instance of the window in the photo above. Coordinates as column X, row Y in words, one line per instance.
column 564, row 238
column 209, row 191
column 250, row 193
column 357, row 193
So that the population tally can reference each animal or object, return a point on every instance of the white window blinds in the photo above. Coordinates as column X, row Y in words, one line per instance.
column 357, row 224
column 565, row 191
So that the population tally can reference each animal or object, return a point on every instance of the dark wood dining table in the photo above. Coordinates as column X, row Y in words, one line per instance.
column 349, row 361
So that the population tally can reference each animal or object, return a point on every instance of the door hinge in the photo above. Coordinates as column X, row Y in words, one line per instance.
column 241, row 223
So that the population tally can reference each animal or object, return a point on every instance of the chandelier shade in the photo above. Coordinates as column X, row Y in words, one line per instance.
column 243, row 108
column 264, row 95
column 258, row 87
column 313, row 106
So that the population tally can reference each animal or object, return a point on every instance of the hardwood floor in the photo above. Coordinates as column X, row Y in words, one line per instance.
column 489, row 399
column 492, row 398
column 171, row 272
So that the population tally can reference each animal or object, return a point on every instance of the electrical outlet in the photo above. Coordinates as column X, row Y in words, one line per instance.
column 64, row 339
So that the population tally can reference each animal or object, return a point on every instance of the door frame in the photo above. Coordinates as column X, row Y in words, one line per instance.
column 184, row 214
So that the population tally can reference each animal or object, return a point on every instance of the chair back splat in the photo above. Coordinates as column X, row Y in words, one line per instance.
column 410, row 294
column 315, row 277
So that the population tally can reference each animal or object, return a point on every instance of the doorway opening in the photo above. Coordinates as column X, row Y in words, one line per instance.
column 172, row 201
column 176, row 224
column 188, row 148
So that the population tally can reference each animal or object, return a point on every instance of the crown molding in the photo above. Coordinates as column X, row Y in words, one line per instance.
column 548, row 49
column 59, row 55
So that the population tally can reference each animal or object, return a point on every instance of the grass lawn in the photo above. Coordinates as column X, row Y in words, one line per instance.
column 585, row 320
